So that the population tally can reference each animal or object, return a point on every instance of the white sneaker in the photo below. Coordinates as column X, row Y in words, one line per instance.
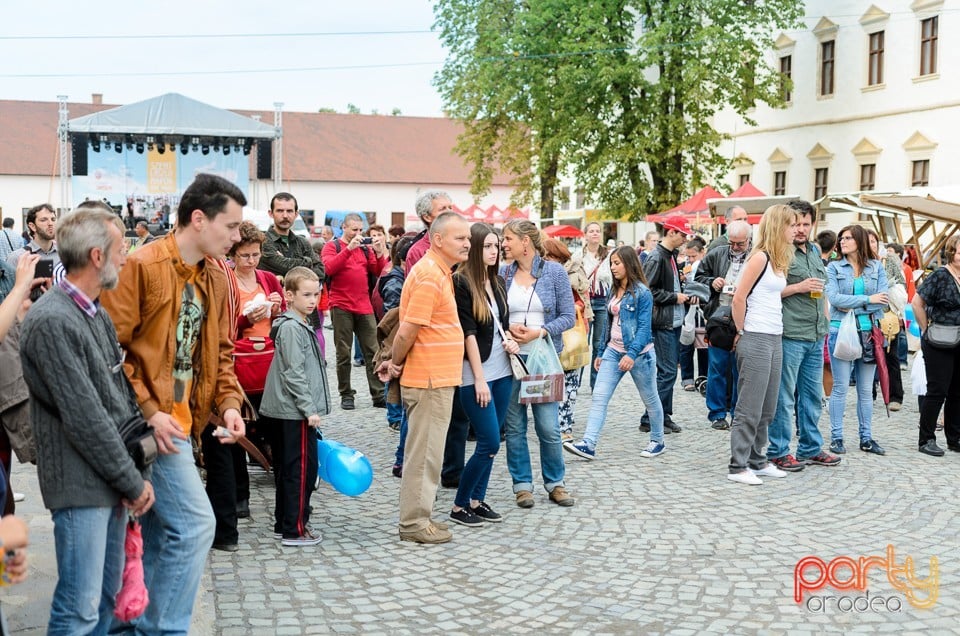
column 769, row 471
column 19, row 496
column 746, row 477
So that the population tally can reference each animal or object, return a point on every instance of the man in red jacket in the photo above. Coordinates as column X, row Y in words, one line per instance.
column 348, row 263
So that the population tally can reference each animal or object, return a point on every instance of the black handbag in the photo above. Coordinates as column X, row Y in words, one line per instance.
column 721, row 330
column 139, row 440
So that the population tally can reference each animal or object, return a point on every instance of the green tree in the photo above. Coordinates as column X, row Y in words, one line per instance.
column 620, row 92
column 353, row 109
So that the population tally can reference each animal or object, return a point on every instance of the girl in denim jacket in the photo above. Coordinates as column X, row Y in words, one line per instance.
column 627, row 348
column 855, row 283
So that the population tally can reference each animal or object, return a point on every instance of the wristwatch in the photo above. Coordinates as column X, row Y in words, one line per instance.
column 739, row 332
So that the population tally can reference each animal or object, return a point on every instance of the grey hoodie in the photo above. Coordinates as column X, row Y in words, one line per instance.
column 297, row 381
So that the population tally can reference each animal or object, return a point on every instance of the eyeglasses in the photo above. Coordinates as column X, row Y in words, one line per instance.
column 739, row 243
column 846, row 238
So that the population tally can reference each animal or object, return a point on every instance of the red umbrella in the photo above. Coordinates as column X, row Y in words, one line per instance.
column 883, row 373
column 698, row 202
column 562, row 231
column 132, row 599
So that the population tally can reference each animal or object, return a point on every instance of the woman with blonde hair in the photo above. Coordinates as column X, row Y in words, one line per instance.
column 540, row 303
column 758, row 315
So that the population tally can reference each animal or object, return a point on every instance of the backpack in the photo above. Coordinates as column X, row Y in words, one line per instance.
column 721, row 330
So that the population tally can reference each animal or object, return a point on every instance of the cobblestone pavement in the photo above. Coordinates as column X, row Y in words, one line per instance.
column 664, row 545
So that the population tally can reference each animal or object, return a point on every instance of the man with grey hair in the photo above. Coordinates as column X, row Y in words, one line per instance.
column 430, row 205
column 80, row 398
column 349, row 266
column 733, row 213
column 721, row 270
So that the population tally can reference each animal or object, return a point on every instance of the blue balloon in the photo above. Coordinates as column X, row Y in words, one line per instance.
column 908, row 313
column 324, row 448
column 349, row 471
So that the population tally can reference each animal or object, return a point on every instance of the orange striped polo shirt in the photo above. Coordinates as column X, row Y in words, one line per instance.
column 436, row 358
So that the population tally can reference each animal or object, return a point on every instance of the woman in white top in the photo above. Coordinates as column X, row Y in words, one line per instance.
column 757, row 312
column 596, row 264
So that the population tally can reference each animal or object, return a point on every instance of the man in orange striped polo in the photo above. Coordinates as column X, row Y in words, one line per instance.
column 428, row 359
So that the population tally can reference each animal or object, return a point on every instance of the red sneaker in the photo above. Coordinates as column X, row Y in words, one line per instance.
column 788, row 463
column 822, row 459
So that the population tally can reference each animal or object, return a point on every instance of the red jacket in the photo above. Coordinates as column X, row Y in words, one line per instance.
column 270, row 284
column 348, row 271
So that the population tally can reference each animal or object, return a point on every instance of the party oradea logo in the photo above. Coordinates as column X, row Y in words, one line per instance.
column 844, row 573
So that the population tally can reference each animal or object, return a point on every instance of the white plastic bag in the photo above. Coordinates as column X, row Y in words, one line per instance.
column 689, row 328
column 848, row 345
column 918, row 374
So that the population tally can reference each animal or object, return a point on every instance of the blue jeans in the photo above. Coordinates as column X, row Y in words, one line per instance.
column 901, row 344
column 801, row 387
column 722, row 380
column 394, row 411
column 842, row 369
column 177, row 534
column 402, row 442
column 89, row 544
column 644, row 376
column 687, row 373
column 357, row 352
column 546, row 422
column 599, row 306
column 666, row 344
column 487, row 422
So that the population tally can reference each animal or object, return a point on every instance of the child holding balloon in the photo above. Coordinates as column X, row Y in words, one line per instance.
column 294, row 398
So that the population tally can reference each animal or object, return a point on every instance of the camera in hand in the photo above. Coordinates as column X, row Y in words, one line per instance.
column 366, row 240
column 43, row 268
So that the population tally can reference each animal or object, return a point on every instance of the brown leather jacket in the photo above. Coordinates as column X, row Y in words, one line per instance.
column 145, row 306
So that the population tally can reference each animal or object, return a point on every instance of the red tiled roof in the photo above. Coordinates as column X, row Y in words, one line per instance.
column 318, row 147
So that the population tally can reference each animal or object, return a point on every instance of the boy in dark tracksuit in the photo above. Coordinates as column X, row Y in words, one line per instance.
column 294, row 398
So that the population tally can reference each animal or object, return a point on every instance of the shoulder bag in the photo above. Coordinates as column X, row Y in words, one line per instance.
column 517, row 367
column 941, row 336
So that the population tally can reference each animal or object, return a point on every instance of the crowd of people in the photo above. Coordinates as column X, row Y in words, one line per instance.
column 211, row 338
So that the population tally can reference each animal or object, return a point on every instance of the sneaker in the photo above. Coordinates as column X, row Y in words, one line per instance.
column 18, row 497
column 669, row 426
column 347, row 404
column 580, row 450
column 525, row 499
column 566, row 437
column 720, row 425
column 487, row 513
column 431, row 534
column 397, row 470
column 821, row 459
column 787, row 463
column 870, row 446
column 895, row 406
column 931, row 448
column 394, row 426
column 358, row 363
column 645, row 427
column 769, row 470
column 307, row 538
column 836, row 446
column 561, row 497
column 745, row 477
column 653, row 449
column 466, row 517
column 689, row 386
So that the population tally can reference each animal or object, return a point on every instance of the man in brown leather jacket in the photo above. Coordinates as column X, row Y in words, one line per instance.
column 172, row 315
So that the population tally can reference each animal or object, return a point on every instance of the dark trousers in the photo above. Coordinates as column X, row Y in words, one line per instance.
column 943, row 390
column 892, row 356
column 219, row 461
column 346, row 325
column 666, row 343
column 295, row 473
column 456, row 445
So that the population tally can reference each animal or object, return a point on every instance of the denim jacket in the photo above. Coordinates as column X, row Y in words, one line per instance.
column 636, row 316
column 840, row 289
column 553, row 288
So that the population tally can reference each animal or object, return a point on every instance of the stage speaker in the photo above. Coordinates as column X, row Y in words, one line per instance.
column 264, row 159
column 78, row 145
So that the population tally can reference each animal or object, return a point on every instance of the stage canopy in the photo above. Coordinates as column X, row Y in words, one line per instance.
column 172, row 114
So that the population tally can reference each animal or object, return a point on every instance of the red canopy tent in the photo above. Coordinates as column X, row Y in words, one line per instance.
column 562, row 231
column 695, row 209
column 474, row 213
column 746, row 190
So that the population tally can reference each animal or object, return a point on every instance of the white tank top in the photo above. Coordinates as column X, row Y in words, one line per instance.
column 764, row 307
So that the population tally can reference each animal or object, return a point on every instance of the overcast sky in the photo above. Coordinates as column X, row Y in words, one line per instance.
column 346, row 52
